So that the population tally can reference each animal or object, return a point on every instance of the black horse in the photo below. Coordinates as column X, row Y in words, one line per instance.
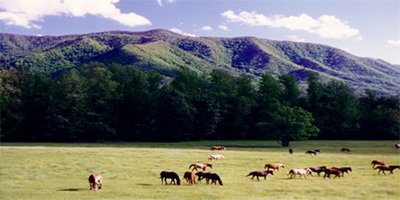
column 172, row 175
column 213, row 177
column 312, row 152
column 260, row 173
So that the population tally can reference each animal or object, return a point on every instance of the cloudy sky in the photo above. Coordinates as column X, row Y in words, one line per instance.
column 366, row 28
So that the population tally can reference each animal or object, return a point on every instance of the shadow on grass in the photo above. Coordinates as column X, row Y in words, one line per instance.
column 144, row 184
column 72, row 190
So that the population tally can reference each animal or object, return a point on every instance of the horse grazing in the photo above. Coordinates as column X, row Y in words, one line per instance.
column 213, row 177
column 190, row 178
column 200, row 165
column 343, row 169
column 312, row 152
column 215, row 157
column 201, row 175
column 377, row 162
column 390, row 168
column 329, row 171
column 345, row 149
column 291, row 151
column 274, row 166
column 397, row 146
column 318, row 170
column 260, row 173
column 218, row 148
column 95, row 181
column 172, row 175
column 300, row 172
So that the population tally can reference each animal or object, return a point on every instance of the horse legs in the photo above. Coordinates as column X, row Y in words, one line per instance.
column 258, row 179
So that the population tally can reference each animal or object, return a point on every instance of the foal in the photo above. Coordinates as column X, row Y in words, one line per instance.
column 200, row 165
column 260, row 173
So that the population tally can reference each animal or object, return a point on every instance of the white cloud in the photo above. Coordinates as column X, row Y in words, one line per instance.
column 168, row 1
column 395, row 43
column 175, row 30
column 206, row 28
column 159, row 2
column 326, row 26
column 225, row 28
column 296, row 38
column 28, row 13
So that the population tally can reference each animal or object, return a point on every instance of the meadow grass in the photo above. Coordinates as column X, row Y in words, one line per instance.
column 132, row 170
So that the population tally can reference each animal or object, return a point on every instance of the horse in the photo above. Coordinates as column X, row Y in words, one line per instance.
column 345, row 149
column 95, row 181
column 291, row 151
column 390, row 168
column 213, row 177
column 343, row 169
column 190, row 178
column 329, row 171
column 200, row 165
column 318, row 170
column 274, row 166
column 201, row 175
column 172, row 175
column 312, row 152
column 218, row 148
column 377, row 162
column 397, row 146
column 260, row 173
column 216, row 157
column 300, row 172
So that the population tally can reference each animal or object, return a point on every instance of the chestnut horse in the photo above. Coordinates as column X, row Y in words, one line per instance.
column 95, row 181
column 312, row 152
column 318, row 170
column 200, row 165
column 213, row 177
column 300, row 172
column 218, row 148
column 390, row 168
column 330, row 171
column 172, row 175
column 377, row 162
column 343, row 169
column 345, row 149
column 260, row 173
column 190, row 178
column 274, row 166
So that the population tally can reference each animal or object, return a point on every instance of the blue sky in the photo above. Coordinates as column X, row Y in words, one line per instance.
column 366, row 28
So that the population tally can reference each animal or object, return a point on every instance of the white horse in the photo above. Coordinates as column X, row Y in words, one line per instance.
column 300, row 172
column 215, row 157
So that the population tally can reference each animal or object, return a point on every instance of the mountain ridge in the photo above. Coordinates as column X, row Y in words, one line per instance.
column 165, row 51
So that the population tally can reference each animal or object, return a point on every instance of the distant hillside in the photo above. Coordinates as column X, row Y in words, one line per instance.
column 164, row 51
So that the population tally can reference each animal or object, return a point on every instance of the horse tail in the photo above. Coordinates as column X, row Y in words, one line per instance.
column 191, row 166
column 178, row 181
column 251, row 173
column 219, row 180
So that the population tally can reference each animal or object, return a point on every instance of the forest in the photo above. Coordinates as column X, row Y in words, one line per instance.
column 101, row 103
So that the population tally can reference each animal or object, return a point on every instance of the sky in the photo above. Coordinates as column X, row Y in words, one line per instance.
column 365, row 28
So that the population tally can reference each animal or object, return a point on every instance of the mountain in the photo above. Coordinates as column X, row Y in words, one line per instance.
column 166, row 51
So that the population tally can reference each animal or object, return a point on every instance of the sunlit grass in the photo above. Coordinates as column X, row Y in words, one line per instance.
column 131, row 170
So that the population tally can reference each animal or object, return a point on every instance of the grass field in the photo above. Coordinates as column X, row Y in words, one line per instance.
column 132, row 170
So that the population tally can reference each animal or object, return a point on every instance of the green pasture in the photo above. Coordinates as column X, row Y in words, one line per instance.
column 132, row 170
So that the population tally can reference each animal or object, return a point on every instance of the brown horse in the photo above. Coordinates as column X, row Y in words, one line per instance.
column 377, row 162
column 317, row 170
column 313, row 152
column 343, row 169
column 95, row 181
column 345, row 149
column 172, row 175
column 190, row 178
column 390, row 168
column 200, row 165
column 260, row 173
column 218, row 148
column 397, row 146
column 274, row 166
column 330, row 171
column 213, row 177
column 291, row 151
column 201, row 176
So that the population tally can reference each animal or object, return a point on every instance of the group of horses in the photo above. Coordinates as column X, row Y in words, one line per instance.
column 383, row 167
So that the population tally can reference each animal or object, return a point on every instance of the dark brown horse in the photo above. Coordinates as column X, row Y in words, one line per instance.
column 329, row 171
column 213, row 177
column 291, row 151
column 190, row 178
column 317, row 170
column 200, row 165
column 345, row 149
column 390, row 168
column 377, row 162
column 260, row 173
column 172, row 175
column 218, row 148
column 95, row 181
column 343, row 169
column 200, row 176
column 397, row 146
column 310, row 152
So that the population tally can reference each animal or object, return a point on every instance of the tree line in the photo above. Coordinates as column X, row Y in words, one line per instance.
column 98, row 102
